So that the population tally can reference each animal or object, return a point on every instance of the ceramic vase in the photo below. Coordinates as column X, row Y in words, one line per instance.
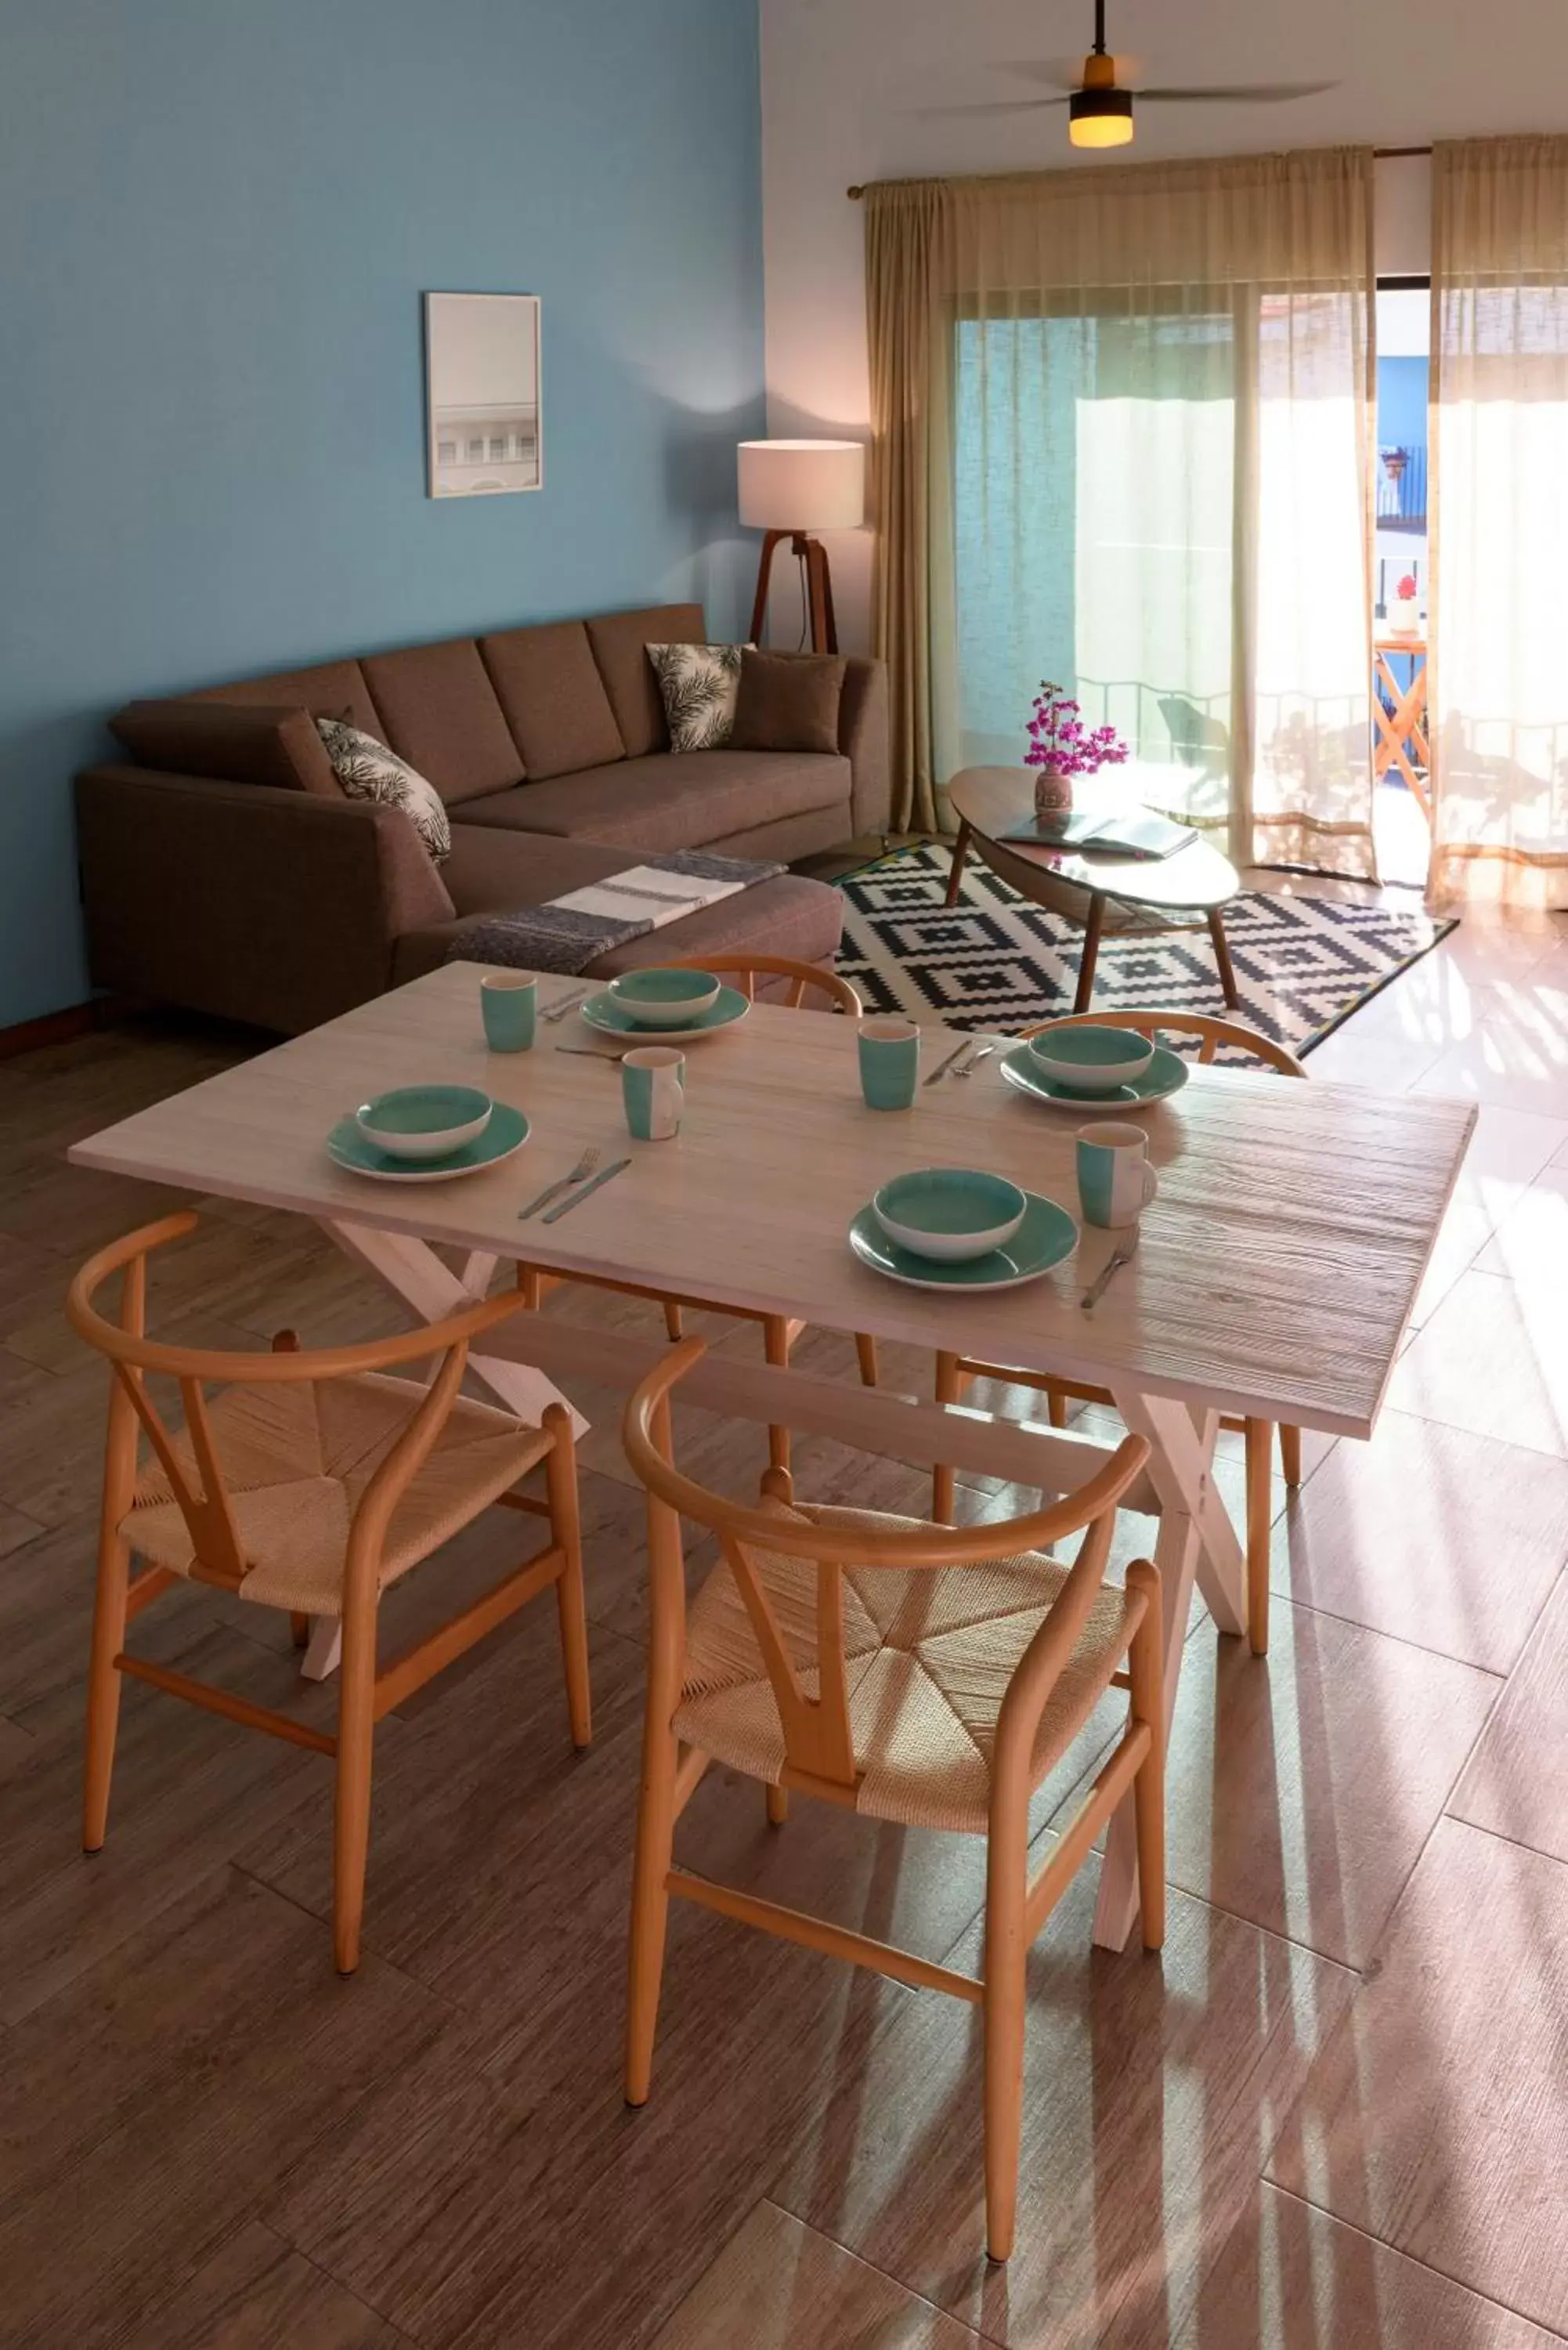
column 1052, row 792
column 1407, row 619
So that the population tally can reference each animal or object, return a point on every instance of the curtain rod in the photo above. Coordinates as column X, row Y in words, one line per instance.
column 1379, row 155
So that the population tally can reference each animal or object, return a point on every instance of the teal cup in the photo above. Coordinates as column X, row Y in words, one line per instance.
column 509, row 1000
column 889, row 1062
column 1116, row 1182
column 653, row 1088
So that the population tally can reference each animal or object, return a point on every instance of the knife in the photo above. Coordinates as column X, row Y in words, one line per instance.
column 615, row 1167
column 946, row 1063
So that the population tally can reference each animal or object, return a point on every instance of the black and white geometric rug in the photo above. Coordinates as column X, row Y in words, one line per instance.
column 994, row 960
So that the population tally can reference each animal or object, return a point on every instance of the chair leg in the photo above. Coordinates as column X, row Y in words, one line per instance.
column 1290, row 1455
column 776, row 1347
column 1006, row 1951
column 866, row 1353
column 1056, row 1405
column 1260, row 1465
column 674, row 1328
column 299, row 1628
column 948, row 1388
column 565, row 1523
column 108, row 1615
column 649, row 1903
column 1148, row 1787
column 351, row 1804
column 104, row 1685
column 778, row 1805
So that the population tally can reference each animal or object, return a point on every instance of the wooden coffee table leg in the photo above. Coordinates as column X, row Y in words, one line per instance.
column 960, row 850
column 1222, row 957
column 1091, row 954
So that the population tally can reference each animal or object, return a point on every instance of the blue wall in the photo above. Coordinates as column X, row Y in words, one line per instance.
column 216, row 220
column 1402, row 387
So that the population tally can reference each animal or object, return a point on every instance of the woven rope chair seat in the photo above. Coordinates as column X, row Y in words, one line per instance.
column 296, row 1458
column 928, row 1658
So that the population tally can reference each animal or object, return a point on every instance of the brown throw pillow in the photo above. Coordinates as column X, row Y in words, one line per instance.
column 788, row 702
column 229, row 739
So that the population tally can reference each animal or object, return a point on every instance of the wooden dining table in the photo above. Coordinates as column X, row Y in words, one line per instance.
column 1275, row 1275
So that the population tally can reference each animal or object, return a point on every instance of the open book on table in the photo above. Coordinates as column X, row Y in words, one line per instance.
column 1135, row 833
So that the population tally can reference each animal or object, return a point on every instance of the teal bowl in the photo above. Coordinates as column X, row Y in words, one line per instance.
column 1091, row 1060
column 424, row 1121
column 951, row 1213
column 664, row 999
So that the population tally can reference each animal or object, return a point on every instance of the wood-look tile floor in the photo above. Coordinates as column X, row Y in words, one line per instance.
column 1334, row 2117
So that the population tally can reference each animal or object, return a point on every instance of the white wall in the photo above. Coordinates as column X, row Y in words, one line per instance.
column 847, row 85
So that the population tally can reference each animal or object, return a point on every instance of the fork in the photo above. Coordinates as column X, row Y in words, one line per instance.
column 1122, row 1255
column 567, row 1003
column 967, row 1068
column 584, row 1166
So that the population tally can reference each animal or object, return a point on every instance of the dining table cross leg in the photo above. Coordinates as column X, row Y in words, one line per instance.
column 412, row 1269
column 1197, row 1545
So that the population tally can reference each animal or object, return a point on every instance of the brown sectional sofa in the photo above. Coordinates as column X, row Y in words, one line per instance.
column 254, row 889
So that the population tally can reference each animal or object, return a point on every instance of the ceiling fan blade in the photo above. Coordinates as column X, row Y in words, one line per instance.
column 1263, row 93
column 993, row 106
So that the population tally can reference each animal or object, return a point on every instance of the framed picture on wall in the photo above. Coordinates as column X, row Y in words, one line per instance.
column 482, row 394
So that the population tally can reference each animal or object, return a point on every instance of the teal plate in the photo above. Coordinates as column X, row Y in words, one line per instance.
column 1166, row 1075
column 1046, row 1235
column 602, row 1012
column 506, row 1132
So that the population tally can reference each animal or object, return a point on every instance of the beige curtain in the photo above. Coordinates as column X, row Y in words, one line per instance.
column 1122, row 434
column 1498, row 687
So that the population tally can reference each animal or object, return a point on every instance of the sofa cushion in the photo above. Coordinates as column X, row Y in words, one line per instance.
column 366, row 770
column 698, row 685
column 619, row 640
column 674, row 800
column 280, row 748
column 330, row 690
column 440, row 713
column 554, row 699
column 786, row 704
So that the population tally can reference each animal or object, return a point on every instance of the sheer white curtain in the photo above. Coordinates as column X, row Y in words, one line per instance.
column 1140, row 416
column 1499, row 488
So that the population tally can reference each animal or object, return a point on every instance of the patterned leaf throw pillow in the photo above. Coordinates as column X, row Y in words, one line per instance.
column 368, row 771
column 700, row 684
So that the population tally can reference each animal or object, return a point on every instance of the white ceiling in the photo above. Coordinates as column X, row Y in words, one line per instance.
column 1407, row 70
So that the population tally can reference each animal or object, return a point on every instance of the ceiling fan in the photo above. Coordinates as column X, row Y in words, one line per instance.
column 1100, row 109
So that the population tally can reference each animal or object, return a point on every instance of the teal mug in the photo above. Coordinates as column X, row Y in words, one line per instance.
column 889, row 1062
column 1116, row 1182
column 653, row 1089
column 509, row 1002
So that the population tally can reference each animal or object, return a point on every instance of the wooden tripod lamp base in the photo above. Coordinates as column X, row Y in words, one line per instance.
column 812, row 553
column 790, row 488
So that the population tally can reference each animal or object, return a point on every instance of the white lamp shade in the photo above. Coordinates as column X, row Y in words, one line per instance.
column 803, row 484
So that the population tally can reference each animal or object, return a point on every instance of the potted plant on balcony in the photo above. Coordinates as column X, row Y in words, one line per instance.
column 1403, row 617
column 1061, row 746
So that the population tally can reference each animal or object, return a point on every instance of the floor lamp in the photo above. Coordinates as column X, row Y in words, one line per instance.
column 789, row 489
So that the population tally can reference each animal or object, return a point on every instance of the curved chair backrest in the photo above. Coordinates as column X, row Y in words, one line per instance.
column 1213, row 1034
column 206, row 1506
column 746, row 970
column 816, row 1729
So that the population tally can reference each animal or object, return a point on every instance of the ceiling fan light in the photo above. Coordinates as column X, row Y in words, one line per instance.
column 1100, row 118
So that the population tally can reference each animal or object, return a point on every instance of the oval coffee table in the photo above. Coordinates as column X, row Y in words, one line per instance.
column 1198, row 880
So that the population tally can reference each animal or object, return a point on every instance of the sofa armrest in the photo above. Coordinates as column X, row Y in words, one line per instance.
column 274, row 906
column 863, row 738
